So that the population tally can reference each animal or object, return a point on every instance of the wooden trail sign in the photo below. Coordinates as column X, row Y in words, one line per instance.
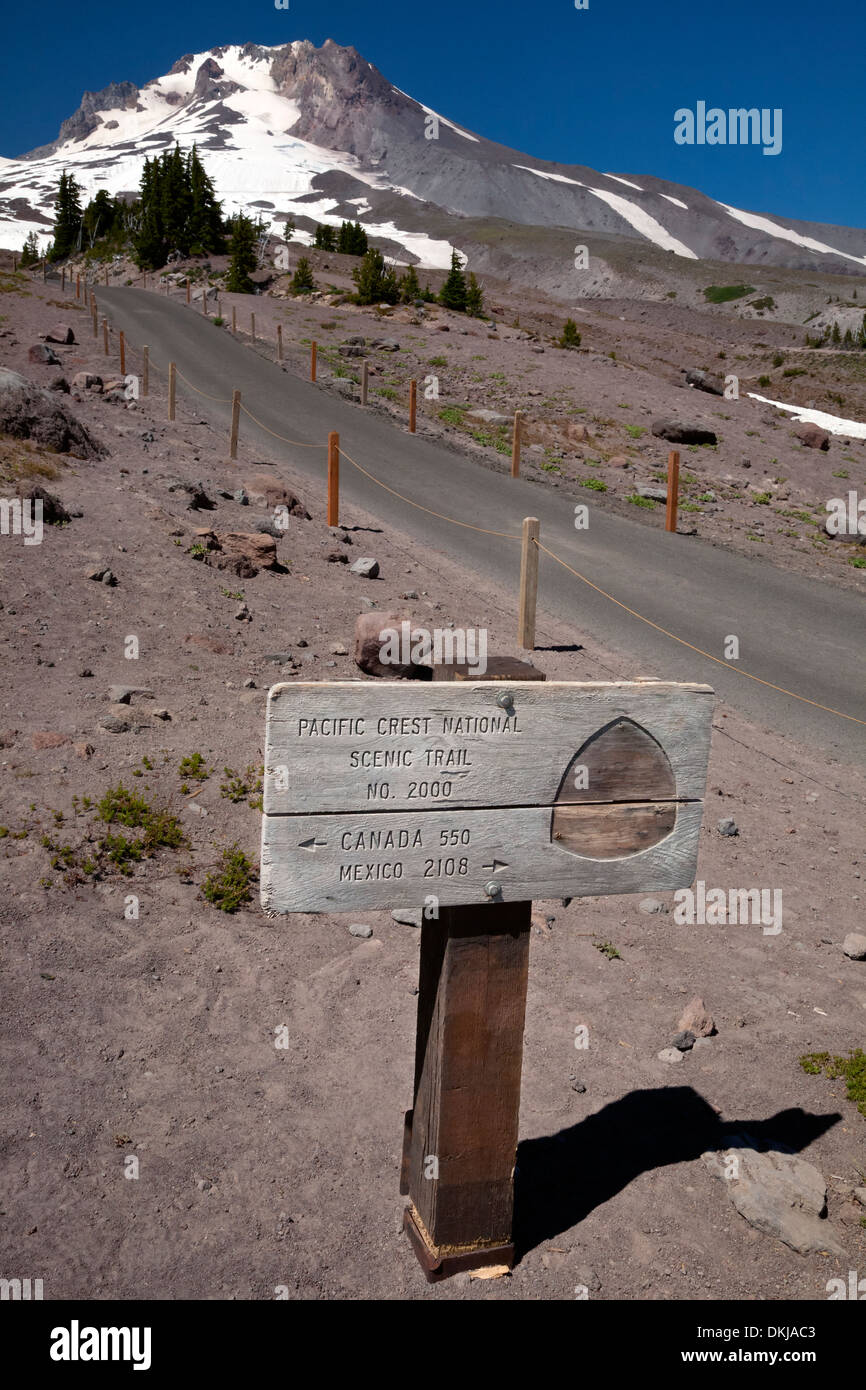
column 539, row 789
column 502, row 791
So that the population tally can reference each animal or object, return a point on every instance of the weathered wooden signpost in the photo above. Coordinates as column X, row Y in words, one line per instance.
column 468, row 799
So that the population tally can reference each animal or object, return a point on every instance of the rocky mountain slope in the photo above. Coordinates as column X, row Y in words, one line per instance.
column 320, row 134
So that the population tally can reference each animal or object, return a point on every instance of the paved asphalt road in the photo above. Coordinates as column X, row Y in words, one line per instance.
column 801, row 634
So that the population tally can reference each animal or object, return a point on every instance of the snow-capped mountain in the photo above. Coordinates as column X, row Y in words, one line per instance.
column 320, row 134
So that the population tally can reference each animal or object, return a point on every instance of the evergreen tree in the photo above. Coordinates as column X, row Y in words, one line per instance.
column 848, row 339
column 570, row 336
column 290, row 228
column 861, row 337
column 453, row 292
column 243, row 255
column 175, row 200
column 377, row 283
column 203, row 234
column 30, row 253
column 67, row 218
column 474, row 298
column 410, row 289
column 835, row 336
column 325, row 238
column 352, row 239
column 149, row 243
column 302, row 281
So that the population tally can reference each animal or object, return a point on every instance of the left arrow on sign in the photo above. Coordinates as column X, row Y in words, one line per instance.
column 312, row 845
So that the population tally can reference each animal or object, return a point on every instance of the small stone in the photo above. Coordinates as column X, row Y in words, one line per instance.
column 697, row 1019
column 240, row 495
column 410, row 593
column 577, row 1086
column 407, row 916
column 366, row 566
column 302, row 642
column 854, row 946
column 339, row 650
column 123, row 694
column 46, row 738
column 249, row 684
column 684, row 1041
column 243, row 615
column 670, row 1054
column 161, row 714
column 85, row 671
column 649, row 906
column 113, row 725
column 360, row 929
column 83, row 750
column 703, row 1042
column 728, row 827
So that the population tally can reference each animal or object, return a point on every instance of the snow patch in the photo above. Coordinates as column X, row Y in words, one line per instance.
column 543, row 174
column 676, row 202
column 763, row 224
column 643, row 223
column 833, row 424
column 627, row 182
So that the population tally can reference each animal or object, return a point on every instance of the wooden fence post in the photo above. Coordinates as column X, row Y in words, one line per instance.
column 528, row 583
column 188, row 291
column 106, row 275
column 279, row 342
column 93, row 316
column 413, row 404
column 77, row 286
column 313, row 351
column 673, row 490
column 204, row 299
column 333, row 479
column 172, row 389
column 145, row 370
column 122, row 346
column 234, row 319
column 105, row 335
column 365, row 373
column 236, row 420
column 44, row 271
column 253, row 327
column 63, row 279
column 515, row 446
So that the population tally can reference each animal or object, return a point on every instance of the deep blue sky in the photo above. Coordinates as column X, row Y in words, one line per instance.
column 596, row 87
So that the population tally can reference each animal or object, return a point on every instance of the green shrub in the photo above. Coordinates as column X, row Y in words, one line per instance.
column 230, row 886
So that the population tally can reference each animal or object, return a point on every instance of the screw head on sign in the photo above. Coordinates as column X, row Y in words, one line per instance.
column 505, row 699
column 493, row 889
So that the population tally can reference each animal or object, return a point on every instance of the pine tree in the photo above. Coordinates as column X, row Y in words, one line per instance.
column 453, row 292
column 861, row 337
column 377, row 283
column 302, row 281
column 570, row 336
column 67, row 218
column 410, row 289
column 848, row 339
column 30, row 253
column 835, row 336
column 204, row 231
column 243, row 255
column 325, row 238
column 175, row 200
column 290, row 228
column 474, row 298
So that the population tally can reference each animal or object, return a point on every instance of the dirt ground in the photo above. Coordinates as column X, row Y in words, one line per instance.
column 154, row 1038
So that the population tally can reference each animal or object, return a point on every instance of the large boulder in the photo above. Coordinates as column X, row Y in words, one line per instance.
column 60, row 333
column 701, row 381
column 812, row 436
column 43, row 356
column 375, row 634
column 265, row 491
column 28, row 411
column 241, row 553
column 679, row 432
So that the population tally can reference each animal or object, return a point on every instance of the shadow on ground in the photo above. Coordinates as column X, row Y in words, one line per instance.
column 561, row 1178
